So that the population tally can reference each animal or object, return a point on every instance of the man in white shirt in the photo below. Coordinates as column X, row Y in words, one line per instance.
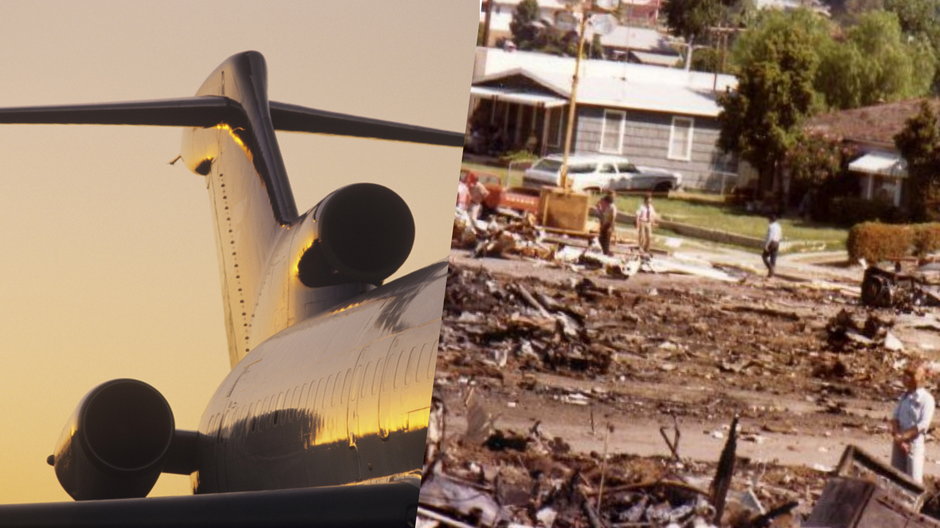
column 772, row 245
column 910, row 423
column 645, row 217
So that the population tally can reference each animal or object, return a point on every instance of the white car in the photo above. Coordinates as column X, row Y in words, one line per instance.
column 595, row 172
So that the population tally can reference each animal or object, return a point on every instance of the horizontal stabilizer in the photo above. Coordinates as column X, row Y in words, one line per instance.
column 379, row 505
column 199, row 111
column 206, row 111
column 295, row 118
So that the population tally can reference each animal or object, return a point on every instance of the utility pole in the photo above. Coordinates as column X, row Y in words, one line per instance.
column 486, row 23
column 572, row 101
column 587, row 8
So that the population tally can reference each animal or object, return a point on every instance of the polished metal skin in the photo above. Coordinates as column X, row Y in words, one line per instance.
column 331, row 370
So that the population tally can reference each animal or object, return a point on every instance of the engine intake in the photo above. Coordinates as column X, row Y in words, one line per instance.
column 115, row 443
column 364, row 233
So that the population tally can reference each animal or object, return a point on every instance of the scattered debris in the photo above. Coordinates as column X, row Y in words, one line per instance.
column 903, row 291
column 566, row 341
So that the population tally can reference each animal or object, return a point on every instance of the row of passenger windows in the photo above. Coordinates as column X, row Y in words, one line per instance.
column 406, row 368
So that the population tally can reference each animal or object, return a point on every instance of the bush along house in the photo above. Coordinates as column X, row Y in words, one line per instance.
column 655, row 116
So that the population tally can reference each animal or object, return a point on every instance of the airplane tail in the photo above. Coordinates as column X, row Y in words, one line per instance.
column 229, row 138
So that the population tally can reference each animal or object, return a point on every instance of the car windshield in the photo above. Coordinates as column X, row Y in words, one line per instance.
column 548, row 165
column 626, row 167
column 582, row 168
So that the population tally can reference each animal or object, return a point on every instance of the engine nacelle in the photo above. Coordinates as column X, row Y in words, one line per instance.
column 115, row 444
column 364, row 232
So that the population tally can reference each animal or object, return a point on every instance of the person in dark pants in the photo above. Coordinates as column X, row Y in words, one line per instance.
column 772, row 244
column 607, row 212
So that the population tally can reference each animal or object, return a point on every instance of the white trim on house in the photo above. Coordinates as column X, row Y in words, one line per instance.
column 885, row 170
column 510, row 95
column 686, row 153
column 618, row 148
column 883, row 163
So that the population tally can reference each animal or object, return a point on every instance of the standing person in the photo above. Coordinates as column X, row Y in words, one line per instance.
column 772, row 244
column 463, row 193
column 910, row 422
column 645, row 218
column 478, row 193
column 607, row 212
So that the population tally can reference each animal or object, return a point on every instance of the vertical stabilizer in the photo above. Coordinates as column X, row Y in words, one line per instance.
column 251, row 200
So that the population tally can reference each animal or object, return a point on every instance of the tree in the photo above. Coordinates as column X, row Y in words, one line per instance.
column 525, row 31
column 874, row 64
column 892, row 69
column 917, row 17
column 919, row 144
column 776, row 63
column 692, row 19
column 920, row 20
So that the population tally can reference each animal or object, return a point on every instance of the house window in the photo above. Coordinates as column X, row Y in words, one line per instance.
column 555, row 116
column 680, row 138
column 612, row 131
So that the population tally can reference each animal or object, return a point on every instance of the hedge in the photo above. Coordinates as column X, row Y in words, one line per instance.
column 876, row 242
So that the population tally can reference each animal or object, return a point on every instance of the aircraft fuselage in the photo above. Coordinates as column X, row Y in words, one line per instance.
column 336, row 399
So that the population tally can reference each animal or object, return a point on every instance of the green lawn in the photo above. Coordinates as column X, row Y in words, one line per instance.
column 710, row 211
column 717, row 215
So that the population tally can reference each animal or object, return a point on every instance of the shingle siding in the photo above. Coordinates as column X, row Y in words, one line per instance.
column 646, row 142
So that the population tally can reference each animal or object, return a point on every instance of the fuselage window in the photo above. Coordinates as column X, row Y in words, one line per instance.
column 278, row 405
column 366, row 380
column 353, row 388
column 328, row 392
column 400, row 369
column 422, row 368
column 411, row 375
column 341, row 388
column 316, row 391
column 263, row 413
column 377, row 379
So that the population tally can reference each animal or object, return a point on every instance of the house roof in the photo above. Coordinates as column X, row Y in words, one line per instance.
column 875, row 125
column 635, row 93
column 659, row 59
column 492, row 61
column 637, row 38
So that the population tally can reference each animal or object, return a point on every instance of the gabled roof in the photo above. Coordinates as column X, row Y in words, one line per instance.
column 618, row 92
column 874, row 125
column 637, row 38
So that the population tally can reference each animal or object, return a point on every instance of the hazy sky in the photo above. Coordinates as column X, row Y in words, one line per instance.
column 109, row 265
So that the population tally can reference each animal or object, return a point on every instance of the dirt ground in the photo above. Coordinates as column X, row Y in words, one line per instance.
column 604, row 365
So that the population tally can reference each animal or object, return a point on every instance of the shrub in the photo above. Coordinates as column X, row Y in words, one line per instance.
column 926, row 239
column 851, row 210
column 875, row 242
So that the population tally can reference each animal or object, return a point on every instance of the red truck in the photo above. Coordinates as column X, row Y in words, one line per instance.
column 503, row 197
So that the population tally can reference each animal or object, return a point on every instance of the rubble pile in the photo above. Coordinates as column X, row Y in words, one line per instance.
column 520, row 236
column 583, row 350
column 586, row 327
column 531, row 479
